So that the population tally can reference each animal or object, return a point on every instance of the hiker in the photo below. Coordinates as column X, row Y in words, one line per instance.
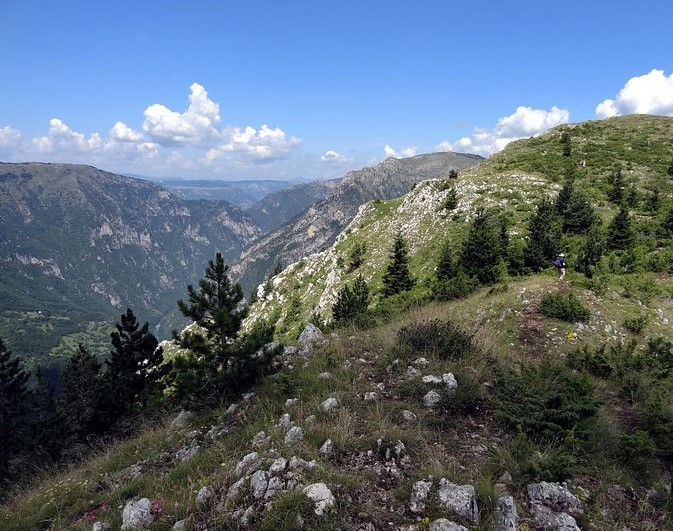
column 560, row 265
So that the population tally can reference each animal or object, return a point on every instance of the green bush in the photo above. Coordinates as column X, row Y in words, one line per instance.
column 436, row 337
column 453, row 288
column 468, row 397
column 637, row 452
column 564, row 306
column 545, row 402
column 595, row 362
column 528, row 462
column 636, row 325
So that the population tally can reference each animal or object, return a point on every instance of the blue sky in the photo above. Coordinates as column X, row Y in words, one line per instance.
column 310, row 89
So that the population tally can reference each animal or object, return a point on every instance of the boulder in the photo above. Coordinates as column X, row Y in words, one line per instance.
column 186, row 453
column 298, row 462
column 259, row 482
column 276, row 484
column 545, row 519
column 204, row 496
column 556, row 496
column 329, row 404
column 294, row 435
column 101, row 526
column 432, row 398
column 321, row 495
column 459, row 499
column 310, row 335
column 236, row 488
column 450, row 381
column 291, row 402
column 372, row 395
column 137, row 514
column 442, row 524
column 249, row 463
column 419, row 495
column 181, row 420
column 278, row 466
column 506, row 515
column 432, row 379
column 284, row 422
column 327, row 448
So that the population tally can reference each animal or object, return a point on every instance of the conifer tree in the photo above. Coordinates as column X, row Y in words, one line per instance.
column 592, row 250
column 14, row 396
column 563, row 198
column 82, row 394
column 134, row 367
column 216, row 307
column 669, row 170
column 667, row 224
column 616, row 192
column 544, row 236
column 351, row 301
column 397, row 277
column 447, row 265
column 621, row 234
column 47, row 421
column 579, row 214
column 565, row 141
column 480, row 255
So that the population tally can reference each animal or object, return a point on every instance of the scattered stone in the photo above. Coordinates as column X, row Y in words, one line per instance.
column 329, row 404
column 249, row 463
column 506, row 478
column 310, row 335
column 135, row 471
column 310, row 419
column 546, row 519
column 450, row 381
column 432, row 398
column 284, row 422
column 419, row 494
column 259, row 439
column 258, row 484
column 181, row 420
column 236, row 488
column 247, row 396
column 420, row 362
column 276, row 484
column 204, row 496
column 137, row 514
column 101, row 526
column 278, row 466
column 321, row 496
column 327, row 448
column 409, row 416
column 506, row 515
column 294, row 435
column 371, row 396
column 231, row 409
column 298, row 462
column 412, row 371
column 459, row 499
column 389, row 450
column 442, row 524
column 180, row 525
column 186, row 453
column 247, row 516
column 325, row 375
column 291, row 402
column 432, row 379
column 215, row 432
column 556, row 496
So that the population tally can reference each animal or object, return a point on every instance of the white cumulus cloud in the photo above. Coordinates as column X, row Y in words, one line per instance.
column 9, row 137
column 62, row 138
column 265, row 143
column 522, row 123
column 199, row 125
column 406, row 152
column 332, row 156
column 122, row 132
column 650, row 93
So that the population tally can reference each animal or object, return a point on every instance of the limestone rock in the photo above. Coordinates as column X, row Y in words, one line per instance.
column 204, row 496
column 546, row 519
column 556, row 496
column 432, row 398
column 291, row 402
column 260, row 439
column 284, row 422
column 506, row 515
column 180, row 525
column 298, row 462
column 137, row 514
column 181, row 420
column 442, row 524
column 420, row 362
column 412, row 371
column 258, row 484
column 310, row 335
column 278, row 466
column 294, row 435
column 236, row 488
column 101, row 526
column 249, row 463
column 276, row 484
column 231, row 409
column 409, row 416
column 419, row 494
column 459, row 499
column 372, row 395
column 325, row 375
column 186, row 453
column 450, row 381
column 329, row 404
column 432, row 379
column 321, row 496
column 327, row 448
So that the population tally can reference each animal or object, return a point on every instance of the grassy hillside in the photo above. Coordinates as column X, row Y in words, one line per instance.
column 468, row 438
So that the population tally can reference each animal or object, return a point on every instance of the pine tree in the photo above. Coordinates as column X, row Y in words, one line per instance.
column 481, row 256
column 81, row 379
column 592, row 250
column 351, row 301
column 565, row 141
column 447, row 266
column 563, row 198
column 621, row 235
column 14, row 396
column 397, row 277
column 544, row 236
column 669, row 170
column 579, row 214
column 616, row 192
column 134, row 367
column 667, row 224
column 47, row 421
column 654, row 201
column 216, row 307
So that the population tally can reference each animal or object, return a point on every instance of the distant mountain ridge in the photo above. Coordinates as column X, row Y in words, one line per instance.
column 78, row 244
column 318, row 226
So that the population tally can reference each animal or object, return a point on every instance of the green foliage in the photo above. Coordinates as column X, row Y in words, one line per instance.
column 467, row 398
column 528, row 462
column 546, row 402
column 565, row 142
column 481, row 256
column 351, row 301
column 591, row 251
column 356, row 256
column 447, row 266
column 544, row 236
column 453, row 174
column 291, row 511
column 81, row 394
column 669, row 169
column 594, row 361
column 564, row 306
column 451, row 200
column 453, row 288
column 443, row 339
column 621, row 234
column 578, row 215
column 397, row 277
column 617, row 186
column 637, row 451
column 636, row 325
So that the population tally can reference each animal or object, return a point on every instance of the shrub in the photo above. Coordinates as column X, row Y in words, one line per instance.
column 351, row 301
column 436, row 337
column 468, row 397
column 636, row 325
column 453, row 288
column 637, row 451
column 595, row 362
column 563, row 306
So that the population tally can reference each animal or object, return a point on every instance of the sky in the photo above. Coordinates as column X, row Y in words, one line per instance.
column 313, row 89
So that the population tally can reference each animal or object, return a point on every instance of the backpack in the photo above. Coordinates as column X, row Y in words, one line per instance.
column 560, row 262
